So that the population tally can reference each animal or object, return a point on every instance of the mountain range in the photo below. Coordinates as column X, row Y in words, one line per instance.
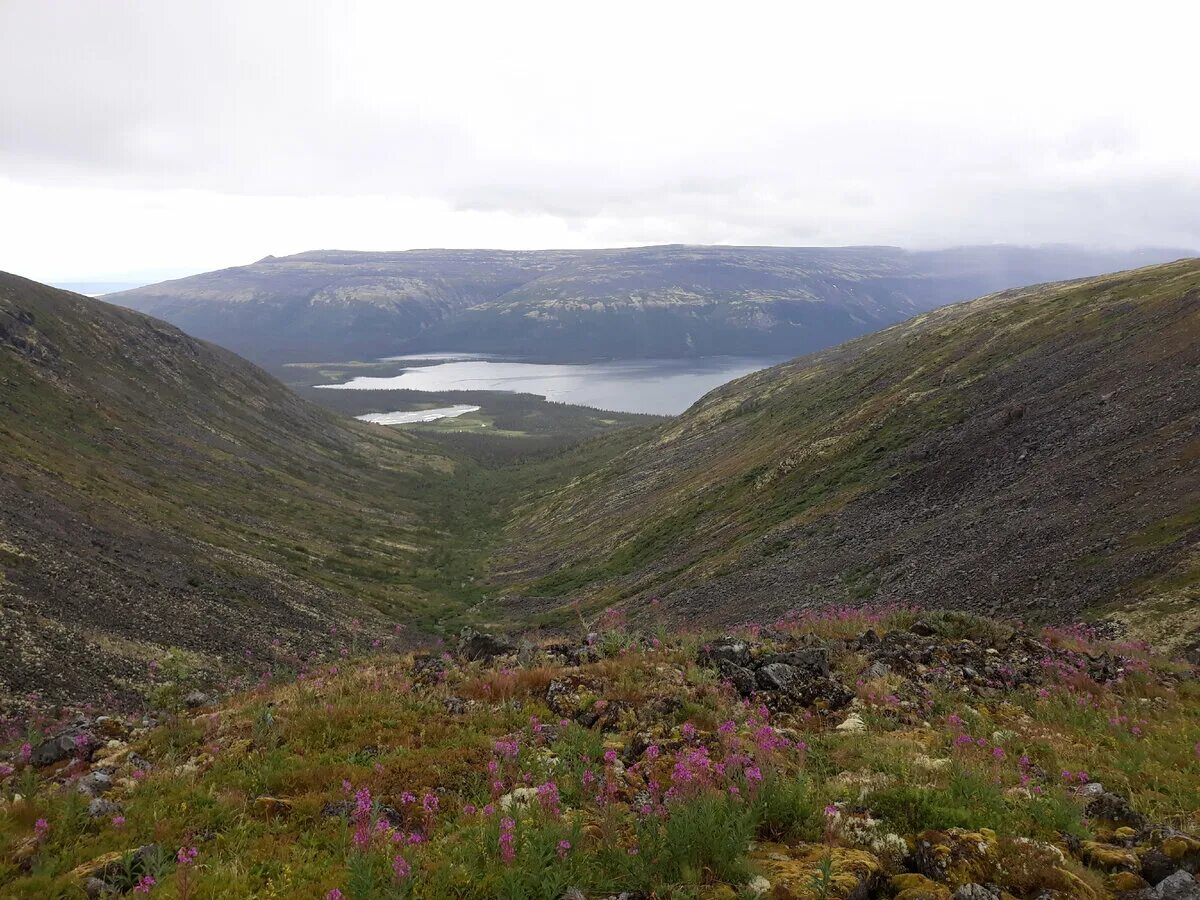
column 570, row 305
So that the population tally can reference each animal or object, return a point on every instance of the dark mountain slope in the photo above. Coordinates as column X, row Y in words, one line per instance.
column 570, row 305
column 1034, row 453
column 156, row 491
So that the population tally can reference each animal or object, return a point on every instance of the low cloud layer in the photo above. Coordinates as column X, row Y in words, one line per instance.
column 160, row 138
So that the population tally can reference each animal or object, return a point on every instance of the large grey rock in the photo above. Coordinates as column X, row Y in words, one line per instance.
column 94, row 783
column 101, row 808
column 730, row 649
column 741, row 678
column 974, row 892
column 73, row 742
column 812, row 661
column 1180, row 886
column 779, row 676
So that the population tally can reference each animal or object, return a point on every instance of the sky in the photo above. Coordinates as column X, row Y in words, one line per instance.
column 143, row 140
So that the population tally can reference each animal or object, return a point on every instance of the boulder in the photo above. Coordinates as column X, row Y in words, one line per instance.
column 779, row 677
column 94, row 783
column 1115, row 809
column 1180, row 886
column 99, row 808
column 813, row 662
column 63, row 745
column 974, row 891
column 741, row 678
column 730, row 649
column 853, row 724
column 478, row 645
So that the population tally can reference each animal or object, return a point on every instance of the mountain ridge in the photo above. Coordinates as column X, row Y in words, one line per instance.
column 563, row 305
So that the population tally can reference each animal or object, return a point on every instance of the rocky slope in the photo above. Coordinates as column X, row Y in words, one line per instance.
column 157, row 491
column 1033, row 453
column 570, row 305
column 848, row 755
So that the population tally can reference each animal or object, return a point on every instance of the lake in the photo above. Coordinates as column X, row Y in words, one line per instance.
column 662, row 386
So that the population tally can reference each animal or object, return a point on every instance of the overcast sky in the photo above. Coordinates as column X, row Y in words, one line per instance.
column 162, row 137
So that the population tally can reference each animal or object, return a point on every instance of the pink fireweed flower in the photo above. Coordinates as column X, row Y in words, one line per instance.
column 186, row 856
column 408, row 797
column 41, row 826
column 652, row 752
column 563, row 847
column 469, row 810
column 610, row 756
column 688, row 730
column 830, row 811
column 509, row 748
column 430, row 803
column 400, row 868
column 118, row 821
column 26, row 752
column 754, row 774
column 998, row 752
column 335, row 894
column 508, row 852
column 144, row 884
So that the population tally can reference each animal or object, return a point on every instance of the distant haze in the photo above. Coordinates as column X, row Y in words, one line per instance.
column 145, row 140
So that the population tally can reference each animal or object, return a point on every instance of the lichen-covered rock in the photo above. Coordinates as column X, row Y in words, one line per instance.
column 1127, row 882
column 852, row 724
column 796, row 872
column 975, row 891
column 913, row 886
column 1108, row 858
column 1025, row 867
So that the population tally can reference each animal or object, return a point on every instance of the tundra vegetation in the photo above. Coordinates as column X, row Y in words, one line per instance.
column 852, row 752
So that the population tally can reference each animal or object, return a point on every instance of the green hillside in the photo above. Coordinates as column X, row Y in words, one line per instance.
column 1030, row 454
